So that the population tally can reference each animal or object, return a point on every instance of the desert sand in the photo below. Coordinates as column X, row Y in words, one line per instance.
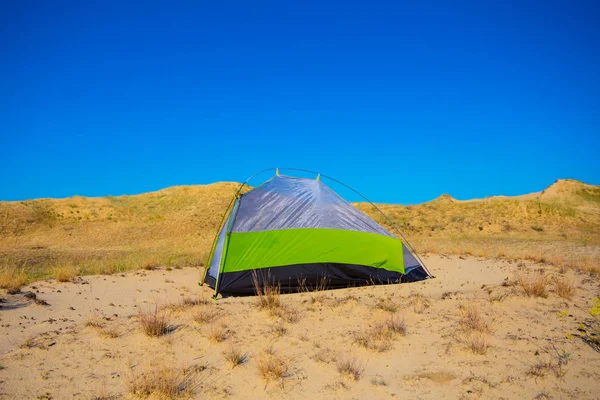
column 87, row 341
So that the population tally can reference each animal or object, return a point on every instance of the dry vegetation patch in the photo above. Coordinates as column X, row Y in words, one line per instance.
column 350, row 366
column 418, row 302
column 564, row 286
column 218, row 333
column 387, row 304
column 475, row 328
column 234, row 356
column 154, row 322
column 271, row 366
column 64, row 273
column 380, row 336
column 552, row 361
column 160, row 381
column 12, row 279
column 533, row 284
column 473, row 319
column 204, row 316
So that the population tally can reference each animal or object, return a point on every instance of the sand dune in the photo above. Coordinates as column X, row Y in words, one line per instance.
column 531, row 345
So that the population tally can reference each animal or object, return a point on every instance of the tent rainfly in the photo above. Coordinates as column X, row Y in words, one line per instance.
column 297, row 231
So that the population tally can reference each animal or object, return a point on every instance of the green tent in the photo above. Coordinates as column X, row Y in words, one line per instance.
column 297, row 231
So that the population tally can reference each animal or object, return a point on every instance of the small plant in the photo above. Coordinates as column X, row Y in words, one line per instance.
column 217, row 333
column 533, row 285
column 154, row 322
column 108, row 332
column 555, row 362
column 234, row 356
column 477, row 342
column 205, row 316
column 387, row 305
column 378, row 381
column 564, row 287
column 472, row 319
column 418, row 302
column 324, row 356
column 271, row 366
column 380, row 336
column 286, row 313
column 396, row 325
column 278, row 329
column 268, row 293
column 350, row 367
column 94, row 322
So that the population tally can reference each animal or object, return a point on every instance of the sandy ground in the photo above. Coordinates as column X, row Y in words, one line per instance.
column 47, row 351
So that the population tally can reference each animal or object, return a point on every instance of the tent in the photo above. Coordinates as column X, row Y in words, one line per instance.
column 297, row 231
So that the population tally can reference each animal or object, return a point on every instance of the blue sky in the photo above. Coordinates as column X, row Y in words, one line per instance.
column 403, row 101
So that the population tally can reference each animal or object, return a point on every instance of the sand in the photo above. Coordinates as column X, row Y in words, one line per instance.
column 47, row 351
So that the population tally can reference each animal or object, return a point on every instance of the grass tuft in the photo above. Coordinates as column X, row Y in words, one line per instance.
column 64, row 273
column 234, row 356
column 564, row 287
column 154, row 322
column 350, row 367
column 12, row 279
column 533, row 284
column 161, row 382
column 271, row 366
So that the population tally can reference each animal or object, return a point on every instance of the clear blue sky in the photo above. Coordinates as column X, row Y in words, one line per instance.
column 403, row 101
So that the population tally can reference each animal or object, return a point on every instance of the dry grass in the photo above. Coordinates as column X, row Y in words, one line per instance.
column 94, row 322
column 378, row 381
column 350, row 367
column 477, row 342
column 12, row 279
column 154, row 322
column 380, row 336
column 533, row 284
column 234, row 356
column 475, row 328
column 108, row 332
column 204, row 316
column 564, row 286
column 418, row 302
column 162, row 382
column 278, row 329
column 472, row 319
column 387, row 304
column 268, row 293
column 186, row 302
column 99, row 325
column 286, row 313
column 64, row 273
column 271, row 366
column 217, row 333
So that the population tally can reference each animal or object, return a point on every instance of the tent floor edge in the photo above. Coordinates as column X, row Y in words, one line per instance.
column 308, row 277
